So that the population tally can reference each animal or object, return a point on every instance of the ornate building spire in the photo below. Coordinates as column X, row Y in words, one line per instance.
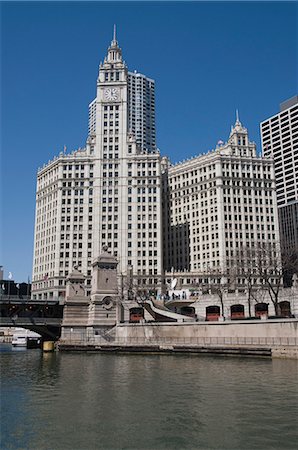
column 114, row 51
column 114, row 42
column 239, row 140
column 238, row 126
column 237, row 118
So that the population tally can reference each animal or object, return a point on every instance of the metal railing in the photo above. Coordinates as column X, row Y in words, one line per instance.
column 27, row 321
column 258, row 342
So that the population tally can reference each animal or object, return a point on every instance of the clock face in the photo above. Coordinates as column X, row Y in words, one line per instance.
column 108, row 303
column 111, row 94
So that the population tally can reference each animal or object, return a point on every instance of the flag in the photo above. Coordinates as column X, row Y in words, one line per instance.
column 17, row 286
column 10, row 275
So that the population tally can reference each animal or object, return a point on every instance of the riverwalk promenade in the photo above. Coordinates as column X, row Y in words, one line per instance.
column 271, row 338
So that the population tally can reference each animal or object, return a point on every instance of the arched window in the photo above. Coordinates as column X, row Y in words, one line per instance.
column 261, row 309
column 237, row 311
column 136, row 314
column 188, row 311
column 212, row 313
column 285, row 309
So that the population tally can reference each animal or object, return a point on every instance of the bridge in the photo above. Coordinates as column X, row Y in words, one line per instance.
column 42, row 316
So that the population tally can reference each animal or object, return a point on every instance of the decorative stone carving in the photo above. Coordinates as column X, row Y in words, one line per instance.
column 104, row 290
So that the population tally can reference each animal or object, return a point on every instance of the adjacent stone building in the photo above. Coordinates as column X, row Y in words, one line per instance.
column 218, row 203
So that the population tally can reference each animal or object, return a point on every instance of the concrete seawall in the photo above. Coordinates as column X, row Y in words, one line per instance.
column 276, row 338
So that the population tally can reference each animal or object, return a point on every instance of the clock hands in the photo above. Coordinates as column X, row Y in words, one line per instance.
column 111, row 93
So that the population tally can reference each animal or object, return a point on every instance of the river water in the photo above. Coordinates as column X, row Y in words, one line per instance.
column 83, row 401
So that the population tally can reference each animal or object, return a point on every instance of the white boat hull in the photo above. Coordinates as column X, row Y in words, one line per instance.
column 19, row 341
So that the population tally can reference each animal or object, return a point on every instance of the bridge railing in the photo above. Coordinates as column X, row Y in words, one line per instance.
column 25, row 322
column 25, row 299
column 13, row 298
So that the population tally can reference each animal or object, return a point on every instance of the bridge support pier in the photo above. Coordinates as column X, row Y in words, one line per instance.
column 85, row 319
column 48, row 346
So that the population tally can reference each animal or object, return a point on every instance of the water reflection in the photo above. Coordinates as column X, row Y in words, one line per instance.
column 96, row 401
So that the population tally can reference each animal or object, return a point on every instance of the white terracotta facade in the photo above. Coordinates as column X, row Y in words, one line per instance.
column 218, row 203
column 108, row 193
column 118, row 191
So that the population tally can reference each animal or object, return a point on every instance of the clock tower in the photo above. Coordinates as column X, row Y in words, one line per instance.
column 127, row 171
column 111, row 104
column 105, row 194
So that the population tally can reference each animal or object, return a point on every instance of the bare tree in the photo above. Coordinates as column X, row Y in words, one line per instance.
column 266, row 264
column 245, row 270
column 219, row 289
column 289, row 254
column 220, row 280
column 133, row 287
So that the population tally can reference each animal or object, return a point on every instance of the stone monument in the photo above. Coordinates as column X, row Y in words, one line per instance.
column 104, row 292
column 84, row 318
column 76, row 308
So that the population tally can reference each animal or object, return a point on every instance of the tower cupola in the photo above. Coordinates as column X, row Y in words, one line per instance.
column 114, row 51
column 238, row 135
column 238, row 140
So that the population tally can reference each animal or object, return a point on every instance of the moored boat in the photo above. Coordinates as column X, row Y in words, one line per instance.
column 26, row 338
column 19, row 340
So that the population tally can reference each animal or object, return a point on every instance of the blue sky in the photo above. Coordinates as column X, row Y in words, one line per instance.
column 207, row 59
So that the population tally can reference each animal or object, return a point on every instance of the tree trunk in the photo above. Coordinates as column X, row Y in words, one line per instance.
column 222, row 306
column 277, row 308
column 249, row 303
